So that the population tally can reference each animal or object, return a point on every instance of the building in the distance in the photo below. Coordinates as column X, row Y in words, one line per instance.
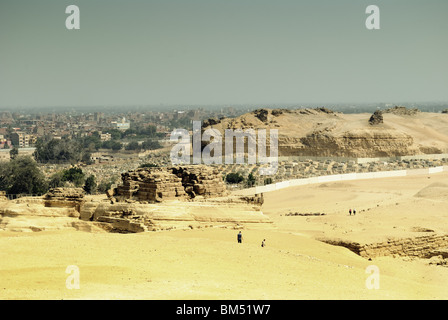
column 22, row 140
column 123, row 125
column 105, row 136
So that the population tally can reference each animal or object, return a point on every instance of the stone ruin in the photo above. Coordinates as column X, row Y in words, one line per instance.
column 65, row 198
column 149, row 185
column 139, row 203
column 376, row 118
column 153, row 185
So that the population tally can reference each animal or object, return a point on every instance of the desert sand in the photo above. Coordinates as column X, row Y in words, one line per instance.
column 208, row 263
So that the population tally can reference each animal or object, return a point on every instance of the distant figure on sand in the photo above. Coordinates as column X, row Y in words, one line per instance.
column 354, row 212
column 350, row 212
column 263, row 243
column 240, row 237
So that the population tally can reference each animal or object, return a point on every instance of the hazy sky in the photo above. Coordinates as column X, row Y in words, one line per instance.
column 221, row 52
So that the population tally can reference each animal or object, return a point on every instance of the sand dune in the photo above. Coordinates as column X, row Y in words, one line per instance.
column 434, row 191
column 208, row 263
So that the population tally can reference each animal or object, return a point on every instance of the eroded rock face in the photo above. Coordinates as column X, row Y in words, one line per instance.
column 262, row 114
column 150, row 185
column 201, row 180
column 322, row 132
column 31, row 215
column 358, row 144
column 65, row 198
column 402, row 111
column 124, row 217
column 376, row 118
column 177, row 183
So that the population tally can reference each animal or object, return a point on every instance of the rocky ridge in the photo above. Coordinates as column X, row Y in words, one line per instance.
column 322, row 132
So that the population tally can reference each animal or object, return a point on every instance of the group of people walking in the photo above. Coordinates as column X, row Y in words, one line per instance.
column 263, row 243
column 240, row 239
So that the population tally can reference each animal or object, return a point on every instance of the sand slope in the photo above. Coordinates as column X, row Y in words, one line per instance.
column 316, row 132
column 208, row 263
column 205, row 264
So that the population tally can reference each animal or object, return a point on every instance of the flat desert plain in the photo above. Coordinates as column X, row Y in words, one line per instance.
column 208, row 263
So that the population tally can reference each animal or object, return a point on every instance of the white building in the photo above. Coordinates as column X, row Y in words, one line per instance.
column 123, row 125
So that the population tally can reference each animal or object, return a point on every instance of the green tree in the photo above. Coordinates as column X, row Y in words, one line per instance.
column 148, row 165
column 14, row 152
column 74, row 175
column 56, row 180
column 151, row 145
column 58, row 150
column 117, row 145
column 112, row 144
column 250, row 181
column 234, row 178
column 116, row 134
column 92, row 143
column 133, row 145
column 90, row 185
column 22, row 176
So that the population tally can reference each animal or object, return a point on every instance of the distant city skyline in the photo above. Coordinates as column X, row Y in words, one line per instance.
column 216, row 52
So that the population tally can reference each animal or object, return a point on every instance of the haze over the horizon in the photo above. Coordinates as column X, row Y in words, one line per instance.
column 221, row 52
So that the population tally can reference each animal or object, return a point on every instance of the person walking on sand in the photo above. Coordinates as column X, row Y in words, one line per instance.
column 354, row 212
column 350, row 212
column 240, row 237
column 263, row 243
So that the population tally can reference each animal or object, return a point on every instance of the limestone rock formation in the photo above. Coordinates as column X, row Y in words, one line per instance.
column 403, row 111
column 31, row 215
column 64, row 198
column 124, row 217
column 321, row 132
column 151, row 185
column 176, row 183
column 376, row 118
column 201, row 180
column 262, row 114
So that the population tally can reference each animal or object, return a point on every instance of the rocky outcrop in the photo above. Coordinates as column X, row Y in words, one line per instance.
column 64, row 198
column 126, row 217
column 201, row 180
column 30, row 215
column 376, row 118
column 357, row 144
column 402, row 111
column 176, row 183
column 418, row 247
column 150, row 185
column 152, row 199
column 321, row 132
column 210, row 122
column 262, row 114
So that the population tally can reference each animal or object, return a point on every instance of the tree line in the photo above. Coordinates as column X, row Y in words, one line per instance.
column 22, row 175
column 79, row 149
